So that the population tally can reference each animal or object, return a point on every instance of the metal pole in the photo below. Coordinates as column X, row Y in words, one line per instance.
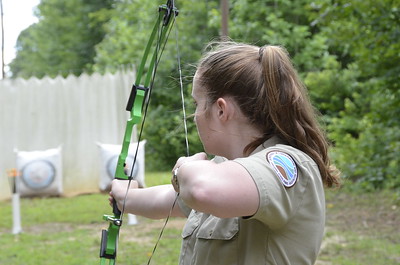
column 13, row 174
column 225, row 18
column 2, row 41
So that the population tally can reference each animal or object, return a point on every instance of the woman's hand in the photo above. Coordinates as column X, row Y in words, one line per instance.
column 185, row 159
column 118, row 191
column 182, row 160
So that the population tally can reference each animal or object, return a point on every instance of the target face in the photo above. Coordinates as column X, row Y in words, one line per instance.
column 112, row 166
column 38, row 174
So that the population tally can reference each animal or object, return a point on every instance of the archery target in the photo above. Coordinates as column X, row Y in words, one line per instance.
column 40, row 172
column 112, row 166
column 109, row 154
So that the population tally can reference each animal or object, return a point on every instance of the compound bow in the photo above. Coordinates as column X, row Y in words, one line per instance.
column 137, row 106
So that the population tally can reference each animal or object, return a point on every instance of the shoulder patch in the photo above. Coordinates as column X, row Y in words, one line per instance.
column 284, row 166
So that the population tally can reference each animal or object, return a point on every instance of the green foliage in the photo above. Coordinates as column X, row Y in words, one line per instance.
column 63, row 40
column 330, row 87
column 286, row 23
column 126, row 37
column 347, row 53
column 366, row 132
column 367, row 135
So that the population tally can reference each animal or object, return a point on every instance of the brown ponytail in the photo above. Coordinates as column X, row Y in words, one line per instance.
column 269, row 92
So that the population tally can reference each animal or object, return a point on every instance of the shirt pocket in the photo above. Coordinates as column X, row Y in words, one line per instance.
column 191, row 224
column 215, row 228
column 210, row 240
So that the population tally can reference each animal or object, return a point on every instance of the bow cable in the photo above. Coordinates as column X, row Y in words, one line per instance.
column 186, row 140
column 182, row 94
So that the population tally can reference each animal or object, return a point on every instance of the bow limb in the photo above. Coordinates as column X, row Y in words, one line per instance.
column 137, row 103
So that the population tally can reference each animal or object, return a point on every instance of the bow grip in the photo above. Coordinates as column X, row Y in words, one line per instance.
column 116, row 210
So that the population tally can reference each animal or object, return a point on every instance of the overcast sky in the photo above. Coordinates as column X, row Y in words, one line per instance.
column 18, row 15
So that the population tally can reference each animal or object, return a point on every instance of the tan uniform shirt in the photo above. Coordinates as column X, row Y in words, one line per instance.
column 287, row 227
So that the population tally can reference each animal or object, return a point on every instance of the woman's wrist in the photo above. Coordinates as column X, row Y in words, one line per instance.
column 174, row 179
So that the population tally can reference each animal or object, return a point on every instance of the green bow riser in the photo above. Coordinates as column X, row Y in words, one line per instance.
column 137, row 102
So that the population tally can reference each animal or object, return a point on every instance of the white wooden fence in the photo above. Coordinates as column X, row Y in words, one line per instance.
column 73, row 112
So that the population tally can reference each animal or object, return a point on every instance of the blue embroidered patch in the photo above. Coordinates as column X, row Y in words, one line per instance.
column 284, row 166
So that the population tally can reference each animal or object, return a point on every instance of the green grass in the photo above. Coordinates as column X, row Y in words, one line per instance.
column 68, row 231
column 361, row 229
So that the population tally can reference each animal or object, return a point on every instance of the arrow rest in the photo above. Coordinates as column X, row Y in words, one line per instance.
column 133, row 94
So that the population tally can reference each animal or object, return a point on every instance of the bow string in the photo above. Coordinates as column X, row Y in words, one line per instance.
column 137, row 105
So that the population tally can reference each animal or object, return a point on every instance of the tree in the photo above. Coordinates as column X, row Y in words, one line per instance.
column 126, row 36
column 364, row 35
column 63, row 40
column 347, row 53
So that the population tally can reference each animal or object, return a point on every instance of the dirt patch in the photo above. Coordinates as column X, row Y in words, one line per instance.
column 373, row 214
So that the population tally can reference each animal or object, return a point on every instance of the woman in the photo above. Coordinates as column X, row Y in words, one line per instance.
column 261, row 199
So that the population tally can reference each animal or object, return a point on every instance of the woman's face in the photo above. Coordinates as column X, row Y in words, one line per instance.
column 205, row 122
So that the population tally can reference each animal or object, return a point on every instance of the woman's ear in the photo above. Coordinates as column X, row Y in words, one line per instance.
column 224, row 109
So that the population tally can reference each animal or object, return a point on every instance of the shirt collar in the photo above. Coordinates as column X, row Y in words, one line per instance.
column 274, row 140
